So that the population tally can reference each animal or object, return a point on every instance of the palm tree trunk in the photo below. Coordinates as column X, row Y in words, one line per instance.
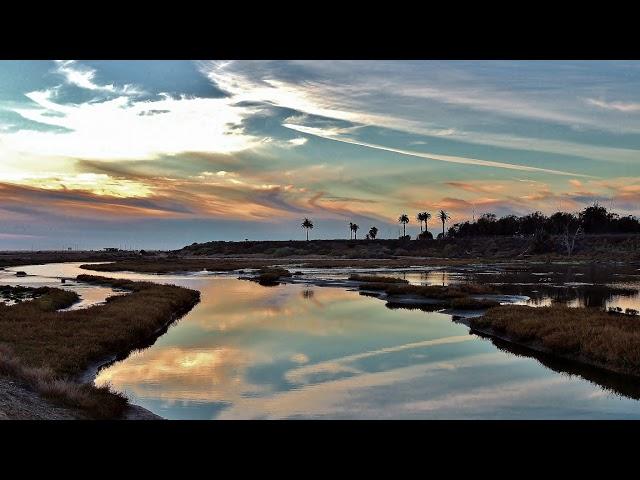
column 404, row 229
column 443, row 229
column 307, row 235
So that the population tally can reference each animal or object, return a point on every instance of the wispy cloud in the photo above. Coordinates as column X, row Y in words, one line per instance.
column 431, row 99
column 626, row 107
column 84, row 77
column 430, row 156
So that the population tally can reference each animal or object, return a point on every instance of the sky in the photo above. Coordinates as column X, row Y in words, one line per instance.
column 161, row 154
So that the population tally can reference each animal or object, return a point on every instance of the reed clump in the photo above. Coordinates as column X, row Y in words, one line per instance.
column 590, row 335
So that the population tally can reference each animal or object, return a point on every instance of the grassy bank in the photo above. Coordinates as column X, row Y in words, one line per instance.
column 45, row 298
column 11, row 259
column 48, row 349
column 453, row 296
column 590, row 336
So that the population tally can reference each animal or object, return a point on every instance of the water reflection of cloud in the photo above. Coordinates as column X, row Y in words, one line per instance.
column 492, row 397
column 346, row 396
column 229, row 305
column 303, row 374
column 299, row 358
column 200, row 375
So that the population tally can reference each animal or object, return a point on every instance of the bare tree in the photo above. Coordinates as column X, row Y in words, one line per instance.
column 572, row 230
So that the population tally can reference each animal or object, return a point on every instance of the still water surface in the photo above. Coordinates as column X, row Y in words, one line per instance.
column 299, row 351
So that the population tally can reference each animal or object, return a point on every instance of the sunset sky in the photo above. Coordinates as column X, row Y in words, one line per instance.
column 160, row 154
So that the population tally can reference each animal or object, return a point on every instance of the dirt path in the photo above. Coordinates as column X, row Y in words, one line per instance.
column 19, row 403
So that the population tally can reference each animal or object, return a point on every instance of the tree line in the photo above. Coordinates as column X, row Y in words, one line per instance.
column 593, row 219
column 402, row 219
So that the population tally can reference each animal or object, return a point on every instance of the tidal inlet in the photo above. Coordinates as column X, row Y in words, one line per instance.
column 319, row 240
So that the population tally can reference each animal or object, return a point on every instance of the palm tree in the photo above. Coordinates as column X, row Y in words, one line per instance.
column 427, row 217
column 350, row 230
column 373, row 232
column 355, row 228
column 420, row 218
column 404, row 219
column 307, row 225
column 443, row 216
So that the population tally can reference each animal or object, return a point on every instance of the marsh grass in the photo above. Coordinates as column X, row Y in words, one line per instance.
column 454, row 296
column 45, row 298
column 271, row 276
column 587, row 334
column 49, row 349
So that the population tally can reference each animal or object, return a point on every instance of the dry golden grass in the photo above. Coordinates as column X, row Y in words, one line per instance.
column 590, row 335
column 89, row 401
column 271, row 275
column 59, row 346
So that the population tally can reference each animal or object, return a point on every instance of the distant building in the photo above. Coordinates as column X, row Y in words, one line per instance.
column 111, row 249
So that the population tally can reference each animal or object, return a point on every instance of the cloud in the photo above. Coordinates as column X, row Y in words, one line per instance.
column 434, row 99
column 95, row 183
column 117, row 129
column 83, row 77
column 626, row 107
column 18, row 201
column 478, row 187
column 430, row 156
column 298, row 141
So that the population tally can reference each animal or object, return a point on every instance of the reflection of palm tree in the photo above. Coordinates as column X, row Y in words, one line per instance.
column 404, row 219
column 354, row 228
column 443, row 216
column 307, row 293
column 373, row 232
column 307, row 225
